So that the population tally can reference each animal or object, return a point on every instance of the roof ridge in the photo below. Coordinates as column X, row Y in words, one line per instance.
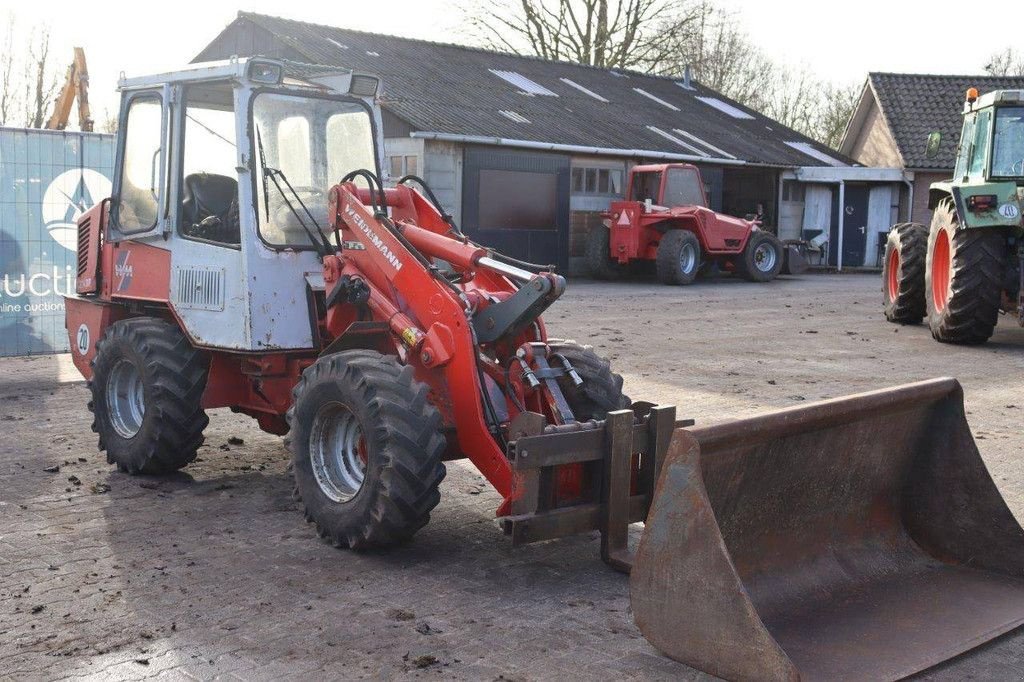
column 945, row 76
column 472, row 48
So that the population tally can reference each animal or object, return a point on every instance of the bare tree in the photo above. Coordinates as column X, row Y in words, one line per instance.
column 28, row 79
column 7, row 83
column 41, row 81
column 615, row 34
column 1008, row 62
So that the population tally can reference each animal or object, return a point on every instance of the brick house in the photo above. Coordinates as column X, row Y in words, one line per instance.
column 896, row 113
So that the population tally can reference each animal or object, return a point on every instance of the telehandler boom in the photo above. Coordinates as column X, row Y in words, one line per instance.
column 359, row 322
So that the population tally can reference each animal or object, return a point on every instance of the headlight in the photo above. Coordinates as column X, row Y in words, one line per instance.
column 264, row 72
column 363, row 86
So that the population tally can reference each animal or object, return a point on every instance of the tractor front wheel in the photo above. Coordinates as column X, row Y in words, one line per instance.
column 147, row 388
column 678, row 258
column 596, row 252
column 761, row 260
column 964, row 279
column 601, row 391
column 366, row 449
column 906, row 251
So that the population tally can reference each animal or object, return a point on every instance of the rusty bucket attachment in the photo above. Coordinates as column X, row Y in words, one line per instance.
column 858, row 538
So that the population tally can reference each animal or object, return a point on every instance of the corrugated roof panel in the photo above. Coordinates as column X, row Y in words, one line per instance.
column 514, row 116
column 523, row 83
column 659, row 100
column 582, row 89
column 725, row 107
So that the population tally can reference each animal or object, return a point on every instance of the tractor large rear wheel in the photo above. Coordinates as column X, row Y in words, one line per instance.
column 906, row 251
column 601, row 391
column 761, row 260
column 147, row 388
column 963, row 279
column 366, row 447
column 678, row 258
column 596, row 253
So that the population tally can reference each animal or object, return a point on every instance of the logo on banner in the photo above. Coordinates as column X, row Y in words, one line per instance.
column 71, row 194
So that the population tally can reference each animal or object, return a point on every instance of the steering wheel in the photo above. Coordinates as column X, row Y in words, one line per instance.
column 1017, row 168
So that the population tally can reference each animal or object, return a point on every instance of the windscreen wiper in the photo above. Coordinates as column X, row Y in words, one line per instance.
column 322, row 245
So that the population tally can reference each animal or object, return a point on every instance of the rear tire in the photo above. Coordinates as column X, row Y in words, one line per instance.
column 761, row 260
column 596, row 253
column 678, row 258
column 601, row 391
column 366, row 446
column 903, row 285
column 147, row 388
column 963, row 279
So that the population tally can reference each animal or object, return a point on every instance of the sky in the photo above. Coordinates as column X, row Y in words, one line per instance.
column 838, row 41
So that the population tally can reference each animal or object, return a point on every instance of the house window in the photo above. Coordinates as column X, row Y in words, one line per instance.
column 400, row 166
column 793, row 191
column 597, row 181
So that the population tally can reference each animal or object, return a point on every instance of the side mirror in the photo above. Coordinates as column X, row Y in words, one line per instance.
column 934, row 140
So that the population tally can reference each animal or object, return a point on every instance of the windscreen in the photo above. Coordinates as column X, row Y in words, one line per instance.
column 1008, row 143
column 305, row 145
column 683, row 188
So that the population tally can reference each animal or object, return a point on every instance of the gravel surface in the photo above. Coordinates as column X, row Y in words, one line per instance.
column 213, row 572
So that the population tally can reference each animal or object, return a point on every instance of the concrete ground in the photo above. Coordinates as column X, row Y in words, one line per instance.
column 213, row 572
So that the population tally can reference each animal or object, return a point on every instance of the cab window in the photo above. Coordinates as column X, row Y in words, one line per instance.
column 683, row 188
column 209, row 185
column 1008, row 143
column 137, row 206
column 980, row 147
column 646, row 186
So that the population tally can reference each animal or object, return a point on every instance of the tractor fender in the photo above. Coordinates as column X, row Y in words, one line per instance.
column 86, row 320
column 1006, row 213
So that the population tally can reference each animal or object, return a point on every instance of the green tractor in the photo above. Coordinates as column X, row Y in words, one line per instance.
column 967, row 268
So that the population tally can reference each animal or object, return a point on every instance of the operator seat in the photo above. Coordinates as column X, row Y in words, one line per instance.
column 206, row 195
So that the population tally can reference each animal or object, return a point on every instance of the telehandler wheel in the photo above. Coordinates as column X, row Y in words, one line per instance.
column 366, row 447
column 147, row 387
column 963, row 279
column 678, row 258
column 906, row 251
column 761, row 260
column 601, row 391
column 596, row 253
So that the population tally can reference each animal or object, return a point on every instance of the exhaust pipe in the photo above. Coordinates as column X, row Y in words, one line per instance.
column 857, row 538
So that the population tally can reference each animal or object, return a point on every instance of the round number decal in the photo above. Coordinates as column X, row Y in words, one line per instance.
column 82, row 340
column 1009, row 211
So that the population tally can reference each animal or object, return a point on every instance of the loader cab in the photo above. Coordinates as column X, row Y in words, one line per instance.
column 225, row 168
column 668, row 185
column 992, row 140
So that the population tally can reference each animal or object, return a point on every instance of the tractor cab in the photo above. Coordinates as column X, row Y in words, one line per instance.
column 992, row 141
column 667, row 185
column 220, row 189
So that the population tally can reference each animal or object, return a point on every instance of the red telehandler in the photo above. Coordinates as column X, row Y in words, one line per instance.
column 250, row 258
column 665, row 219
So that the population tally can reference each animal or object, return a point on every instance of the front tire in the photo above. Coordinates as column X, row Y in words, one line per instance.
column 147, row 387
column 903, row 285
column 596, row 253
column 678, row 257
column 963, row 279
column 366, row 446
column 761, row 260
column 601, row 391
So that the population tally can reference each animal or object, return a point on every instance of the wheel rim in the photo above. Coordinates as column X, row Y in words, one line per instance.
column 893, row 274
column 338, row 452
column 687, row 258
column 126, row 399
column 941, row 263
column 764, row 257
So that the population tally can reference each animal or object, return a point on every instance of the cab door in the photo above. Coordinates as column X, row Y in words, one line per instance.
column 139, row 203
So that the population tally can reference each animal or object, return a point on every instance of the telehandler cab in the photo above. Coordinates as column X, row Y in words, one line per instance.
column 967, row 268
column 251, row 258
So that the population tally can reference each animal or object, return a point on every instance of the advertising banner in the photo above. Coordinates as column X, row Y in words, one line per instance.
column 47, row 180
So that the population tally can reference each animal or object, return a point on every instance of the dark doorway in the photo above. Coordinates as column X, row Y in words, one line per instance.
column 518, row 203
column 855, row 213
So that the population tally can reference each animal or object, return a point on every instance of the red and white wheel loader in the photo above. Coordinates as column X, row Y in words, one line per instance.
column 251, row 258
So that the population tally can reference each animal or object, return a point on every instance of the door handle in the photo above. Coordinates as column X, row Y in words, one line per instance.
column 863, row 230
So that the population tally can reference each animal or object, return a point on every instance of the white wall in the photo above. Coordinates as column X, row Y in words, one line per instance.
column 880, row 201
column 442, row 166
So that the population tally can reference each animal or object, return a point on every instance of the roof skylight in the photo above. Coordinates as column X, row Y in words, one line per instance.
column 582, row 89
column 334, row 42
column 525, row 85
column 673, row 138
column 699, row 141
column 514, row 116
column 659, row 100
column 725, row 107
column 807, row 149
